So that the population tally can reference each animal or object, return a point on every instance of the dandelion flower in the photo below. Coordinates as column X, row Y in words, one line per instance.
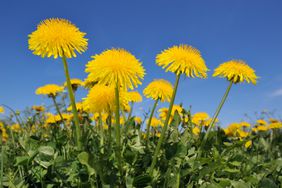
column 155, row 122
column 2, row 110
column 15, row 128
column 183, row 59
column 196, row 131
column 75, row 83
column 57, row 37
column 164, row 112
column 245, row 124
column 275, row 125
column 200, row 118
column 115, row 65
column 38, row 108
column 159, row 89
column 248, row 144
column 236, row 71
column 51, row 90
column 261, row 122
column 101, row 99
column 138, row 120
column 133, row 96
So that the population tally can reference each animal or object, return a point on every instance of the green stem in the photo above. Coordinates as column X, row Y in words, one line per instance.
column 156, row 153
column 72, row 100
column 131, row 110
column 214, row 117
column 117, row 129
column 58, row 109
column 150, row 120
column 101, row 131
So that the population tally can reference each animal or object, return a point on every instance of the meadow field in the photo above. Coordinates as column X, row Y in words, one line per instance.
column 98, row 141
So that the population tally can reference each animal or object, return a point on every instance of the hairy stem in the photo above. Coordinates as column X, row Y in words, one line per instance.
column 156, row 153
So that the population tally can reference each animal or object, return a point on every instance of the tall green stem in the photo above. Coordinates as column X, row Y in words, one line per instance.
column 72, row 100
column 117, row 129
column 150, row 120
column 214, row 117
column 58, row 109
column 165, row 126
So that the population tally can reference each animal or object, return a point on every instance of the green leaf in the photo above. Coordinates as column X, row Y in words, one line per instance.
column 46, row 150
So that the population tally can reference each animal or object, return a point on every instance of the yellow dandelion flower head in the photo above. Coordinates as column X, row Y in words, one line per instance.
column 133, row 96
column 232, row 129
column 2, row 110
column 100, row 99
column 200, row 118
column 248, row 144
column 5, row 136
column 49, row 90
column 57, row 37
column 75, row 82
column 163, row 112
column 79, row 106
column 245, row 124
column 183, row 59
column 159, row 89
column 15, row 127
column 38, row 108
column 158, row 134
column 155, row 122
column 272, row 120
column 261, row 122
column 122, row 120
column 115, row 65
column 66, row 116
column 138, row 120
column 261, row 128
column 236, row 71
column 52, row 119
column 196, row 130
column 241, row 134
column 275, row 125
column 126, row 107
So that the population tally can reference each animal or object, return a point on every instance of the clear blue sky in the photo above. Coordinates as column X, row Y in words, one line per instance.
column 221, row 29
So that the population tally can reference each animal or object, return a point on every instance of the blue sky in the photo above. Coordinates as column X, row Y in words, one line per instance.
column 221, row 29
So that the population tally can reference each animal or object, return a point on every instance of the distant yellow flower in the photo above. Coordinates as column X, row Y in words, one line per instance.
column 126, row 107
column 276, row 125
column 159, row 89
column 200, row 118
column 183, row 59
column 158, row 134
column 57, row 37
column 52, row 119
column 4, row 136
column 236, row 71
column 232, row 129
column 15, row 128
column 51, row 90
column 155, row 122
column 100, row 99
column 75, row 83
column 248, row 144
column 133, row 96
column 115, row 65
column 38, row 108
column 138, row 120
column 2, row 110
column 261, row 122
column 245, row 124
column 164, row 112
column 196, row 130
column 260, row 128
column 242, row 134
column 79, row 106
column 272, row 120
